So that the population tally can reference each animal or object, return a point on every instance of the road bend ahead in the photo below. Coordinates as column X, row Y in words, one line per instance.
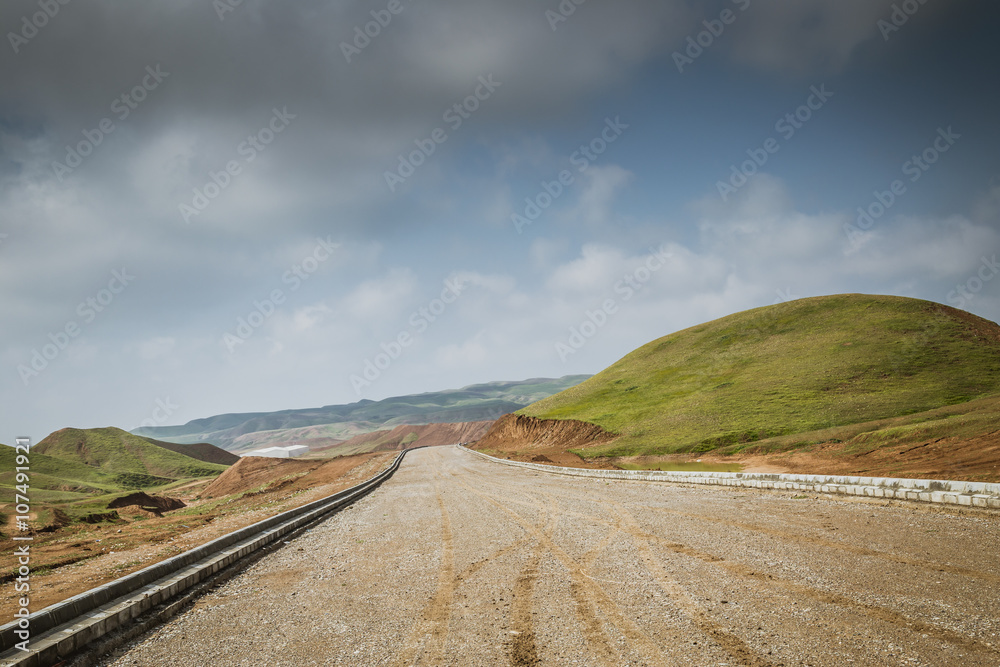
column 461, row 561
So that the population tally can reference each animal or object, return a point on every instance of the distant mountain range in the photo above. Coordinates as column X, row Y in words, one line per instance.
column 328, row 425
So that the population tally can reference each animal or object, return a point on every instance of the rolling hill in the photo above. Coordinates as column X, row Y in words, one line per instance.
column 60, row 476
column 333, row 423
column 78, row 470
column 767, row 374
column 131, row 461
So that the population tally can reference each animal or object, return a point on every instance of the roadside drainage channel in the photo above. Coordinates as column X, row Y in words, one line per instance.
column 65, row 628
column 946, row 492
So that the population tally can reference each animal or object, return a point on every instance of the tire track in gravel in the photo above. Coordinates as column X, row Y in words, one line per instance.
column 872, row 611
column 831, row 544
column 726, row 641
column 589, row 597
column 523, row 652
column 480, row 564
column 429, row 636
column 869, row 610
column 585, row 607
column 733, row 645
column 745, row 572
column 587, row 613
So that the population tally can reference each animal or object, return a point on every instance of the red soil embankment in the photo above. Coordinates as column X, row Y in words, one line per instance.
column 543, row 440
column 253, row 471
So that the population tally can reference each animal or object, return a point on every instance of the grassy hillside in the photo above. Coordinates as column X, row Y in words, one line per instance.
column 65, row 478
column 790, row 368
column 131, row 460
column 240, row 432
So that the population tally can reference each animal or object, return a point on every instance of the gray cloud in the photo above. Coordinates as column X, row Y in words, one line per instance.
column 322, row 175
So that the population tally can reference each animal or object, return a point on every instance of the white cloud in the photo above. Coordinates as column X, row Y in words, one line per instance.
column 473, row 352
column 595, row 270
column 308, row 318
column 381, row 298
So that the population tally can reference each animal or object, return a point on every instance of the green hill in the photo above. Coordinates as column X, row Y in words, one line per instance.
column 784, row 369
column 130, row 460
column 56, row 474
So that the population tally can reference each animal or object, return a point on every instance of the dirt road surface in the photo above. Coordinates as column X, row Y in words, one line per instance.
column 461, row 561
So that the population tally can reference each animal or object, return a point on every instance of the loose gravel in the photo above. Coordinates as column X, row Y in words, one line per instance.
column 460, row 561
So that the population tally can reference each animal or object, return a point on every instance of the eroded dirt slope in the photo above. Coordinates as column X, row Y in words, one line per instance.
column 252, row 471
column 69, row 558
column 543, row 440
column 966, row 456
column 975, row 459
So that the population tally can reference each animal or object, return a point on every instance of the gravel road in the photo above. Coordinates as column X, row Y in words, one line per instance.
column 460, row 561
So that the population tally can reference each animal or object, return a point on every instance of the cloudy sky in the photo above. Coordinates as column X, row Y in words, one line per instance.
column 233, row 206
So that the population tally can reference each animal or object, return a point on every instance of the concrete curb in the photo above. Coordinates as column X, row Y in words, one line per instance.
column 969, row 494
column 64, row 628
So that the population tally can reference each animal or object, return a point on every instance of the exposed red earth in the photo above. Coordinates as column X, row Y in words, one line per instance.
column 970, row 457
column 139, row 530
